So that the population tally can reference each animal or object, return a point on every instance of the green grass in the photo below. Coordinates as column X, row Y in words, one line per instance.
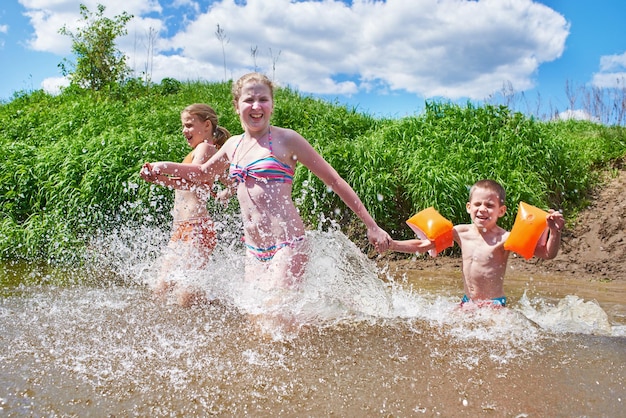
column 70, row 163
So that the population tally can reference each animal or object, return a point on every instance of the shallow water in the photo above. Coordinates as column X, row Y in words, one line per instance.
column 93, row 344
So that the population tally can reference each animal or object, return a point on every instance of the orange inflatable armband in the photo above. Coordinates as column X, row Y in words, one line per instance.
column 530, row 223
column 429, row 224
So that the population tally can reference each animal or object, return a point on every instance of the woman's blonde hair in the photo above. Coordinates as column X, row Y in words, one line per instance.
column 257, row 77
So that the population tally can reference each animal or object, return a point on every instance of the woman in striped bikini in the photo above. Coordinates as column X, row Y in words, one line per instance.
column 262, row 162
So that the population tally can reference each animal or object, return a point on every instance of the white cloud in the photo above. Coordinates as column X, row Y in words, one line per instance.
column 47, row 17
column 576, row 114
column 53, row 85
column 613, row 62
column 612, row 72
column 184, row 68
column 448, row 48
column 4, row 29
column 610, row 80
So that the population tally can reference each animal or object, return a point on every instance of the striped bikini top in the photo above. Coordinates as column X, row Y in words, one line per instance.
column 266, row 169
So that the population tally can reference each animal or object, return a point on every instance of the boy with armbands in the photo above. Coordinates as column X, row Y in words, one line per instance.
column 485, row 247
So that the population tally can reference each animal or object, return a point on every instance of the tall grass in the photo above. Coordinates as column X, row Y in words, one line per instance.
column 606, row 105
column 70, row 162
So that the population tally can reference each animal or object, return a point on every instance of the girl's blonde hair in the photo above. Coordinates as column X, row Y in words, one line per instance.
column 257, row 77
column 206, row 112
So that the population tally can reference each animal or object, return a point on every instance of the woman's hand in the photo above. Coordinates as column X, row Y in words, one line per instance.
column 379, row 238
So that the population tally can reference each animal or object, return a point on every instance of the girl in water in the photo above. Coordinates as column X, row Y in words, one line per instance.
column 262, row 162
column 193, row 234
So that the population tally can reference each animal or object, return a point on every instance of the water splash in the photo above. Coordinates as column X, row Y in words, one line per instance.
column 340, row 284
column 107, row 345
column 570, row 314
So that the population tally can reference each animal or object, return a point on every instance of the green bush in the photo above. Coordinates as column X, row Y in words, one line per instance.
column 70, row 163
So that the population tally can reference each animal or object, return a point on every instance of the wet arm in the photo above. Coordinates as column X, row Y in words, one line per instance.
column 168, row 170
column 193, row 173
column 411, row 246
column 549, row 248
column 311, row 159
column 162, row 180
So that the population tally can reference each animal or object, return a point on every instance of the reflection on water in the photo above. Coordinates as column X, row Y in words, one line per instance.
column 96, row 344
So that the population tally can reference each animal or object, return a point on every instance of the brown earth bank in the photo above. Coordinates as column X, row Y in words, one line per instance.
column 593, row 247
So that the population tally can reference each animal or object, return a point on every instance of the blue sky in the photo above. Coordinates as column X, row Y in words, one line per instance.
column 382, row 57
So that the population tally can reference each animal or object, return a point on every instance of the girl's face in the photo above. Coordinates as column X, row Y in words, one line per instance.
column 196, row 130
column 484, row 208
column 255, row 106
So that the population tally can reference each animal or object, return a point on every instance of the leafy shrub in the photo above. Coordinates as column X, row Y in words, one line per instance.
column 169, row 86
column 70, row 163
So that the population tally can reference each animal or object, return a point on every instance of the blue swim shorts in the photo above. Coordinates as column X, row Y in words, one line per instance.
column 501, row 301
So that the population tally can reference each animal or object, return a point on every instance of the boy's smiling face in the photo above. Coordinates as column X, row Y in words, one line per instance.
column 484, row 208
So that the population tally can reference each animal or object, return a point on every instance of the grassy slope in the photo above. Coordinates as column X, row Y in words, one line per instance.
column 70, row 162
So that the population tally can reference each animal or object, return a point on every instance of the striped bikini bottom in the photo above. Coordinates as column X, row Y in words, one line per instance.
column 266, row 254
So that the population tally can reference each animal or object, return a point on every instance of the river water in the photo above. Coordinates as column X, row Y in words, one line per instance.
column 94, row 342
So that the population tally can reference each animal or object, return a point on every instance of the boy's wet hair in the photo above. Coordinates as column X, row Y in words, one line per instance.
column 490, row 185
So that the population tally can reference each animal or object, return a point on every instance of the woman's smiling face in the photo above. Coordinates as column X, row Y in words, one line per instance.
column 255, row 105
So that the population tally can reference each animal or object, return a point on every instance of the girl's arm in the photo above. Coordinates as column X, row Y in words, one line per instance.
column 164, row 171
column 193, row 173
column 150, row 176
column 202, row 153
column 301, row 150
